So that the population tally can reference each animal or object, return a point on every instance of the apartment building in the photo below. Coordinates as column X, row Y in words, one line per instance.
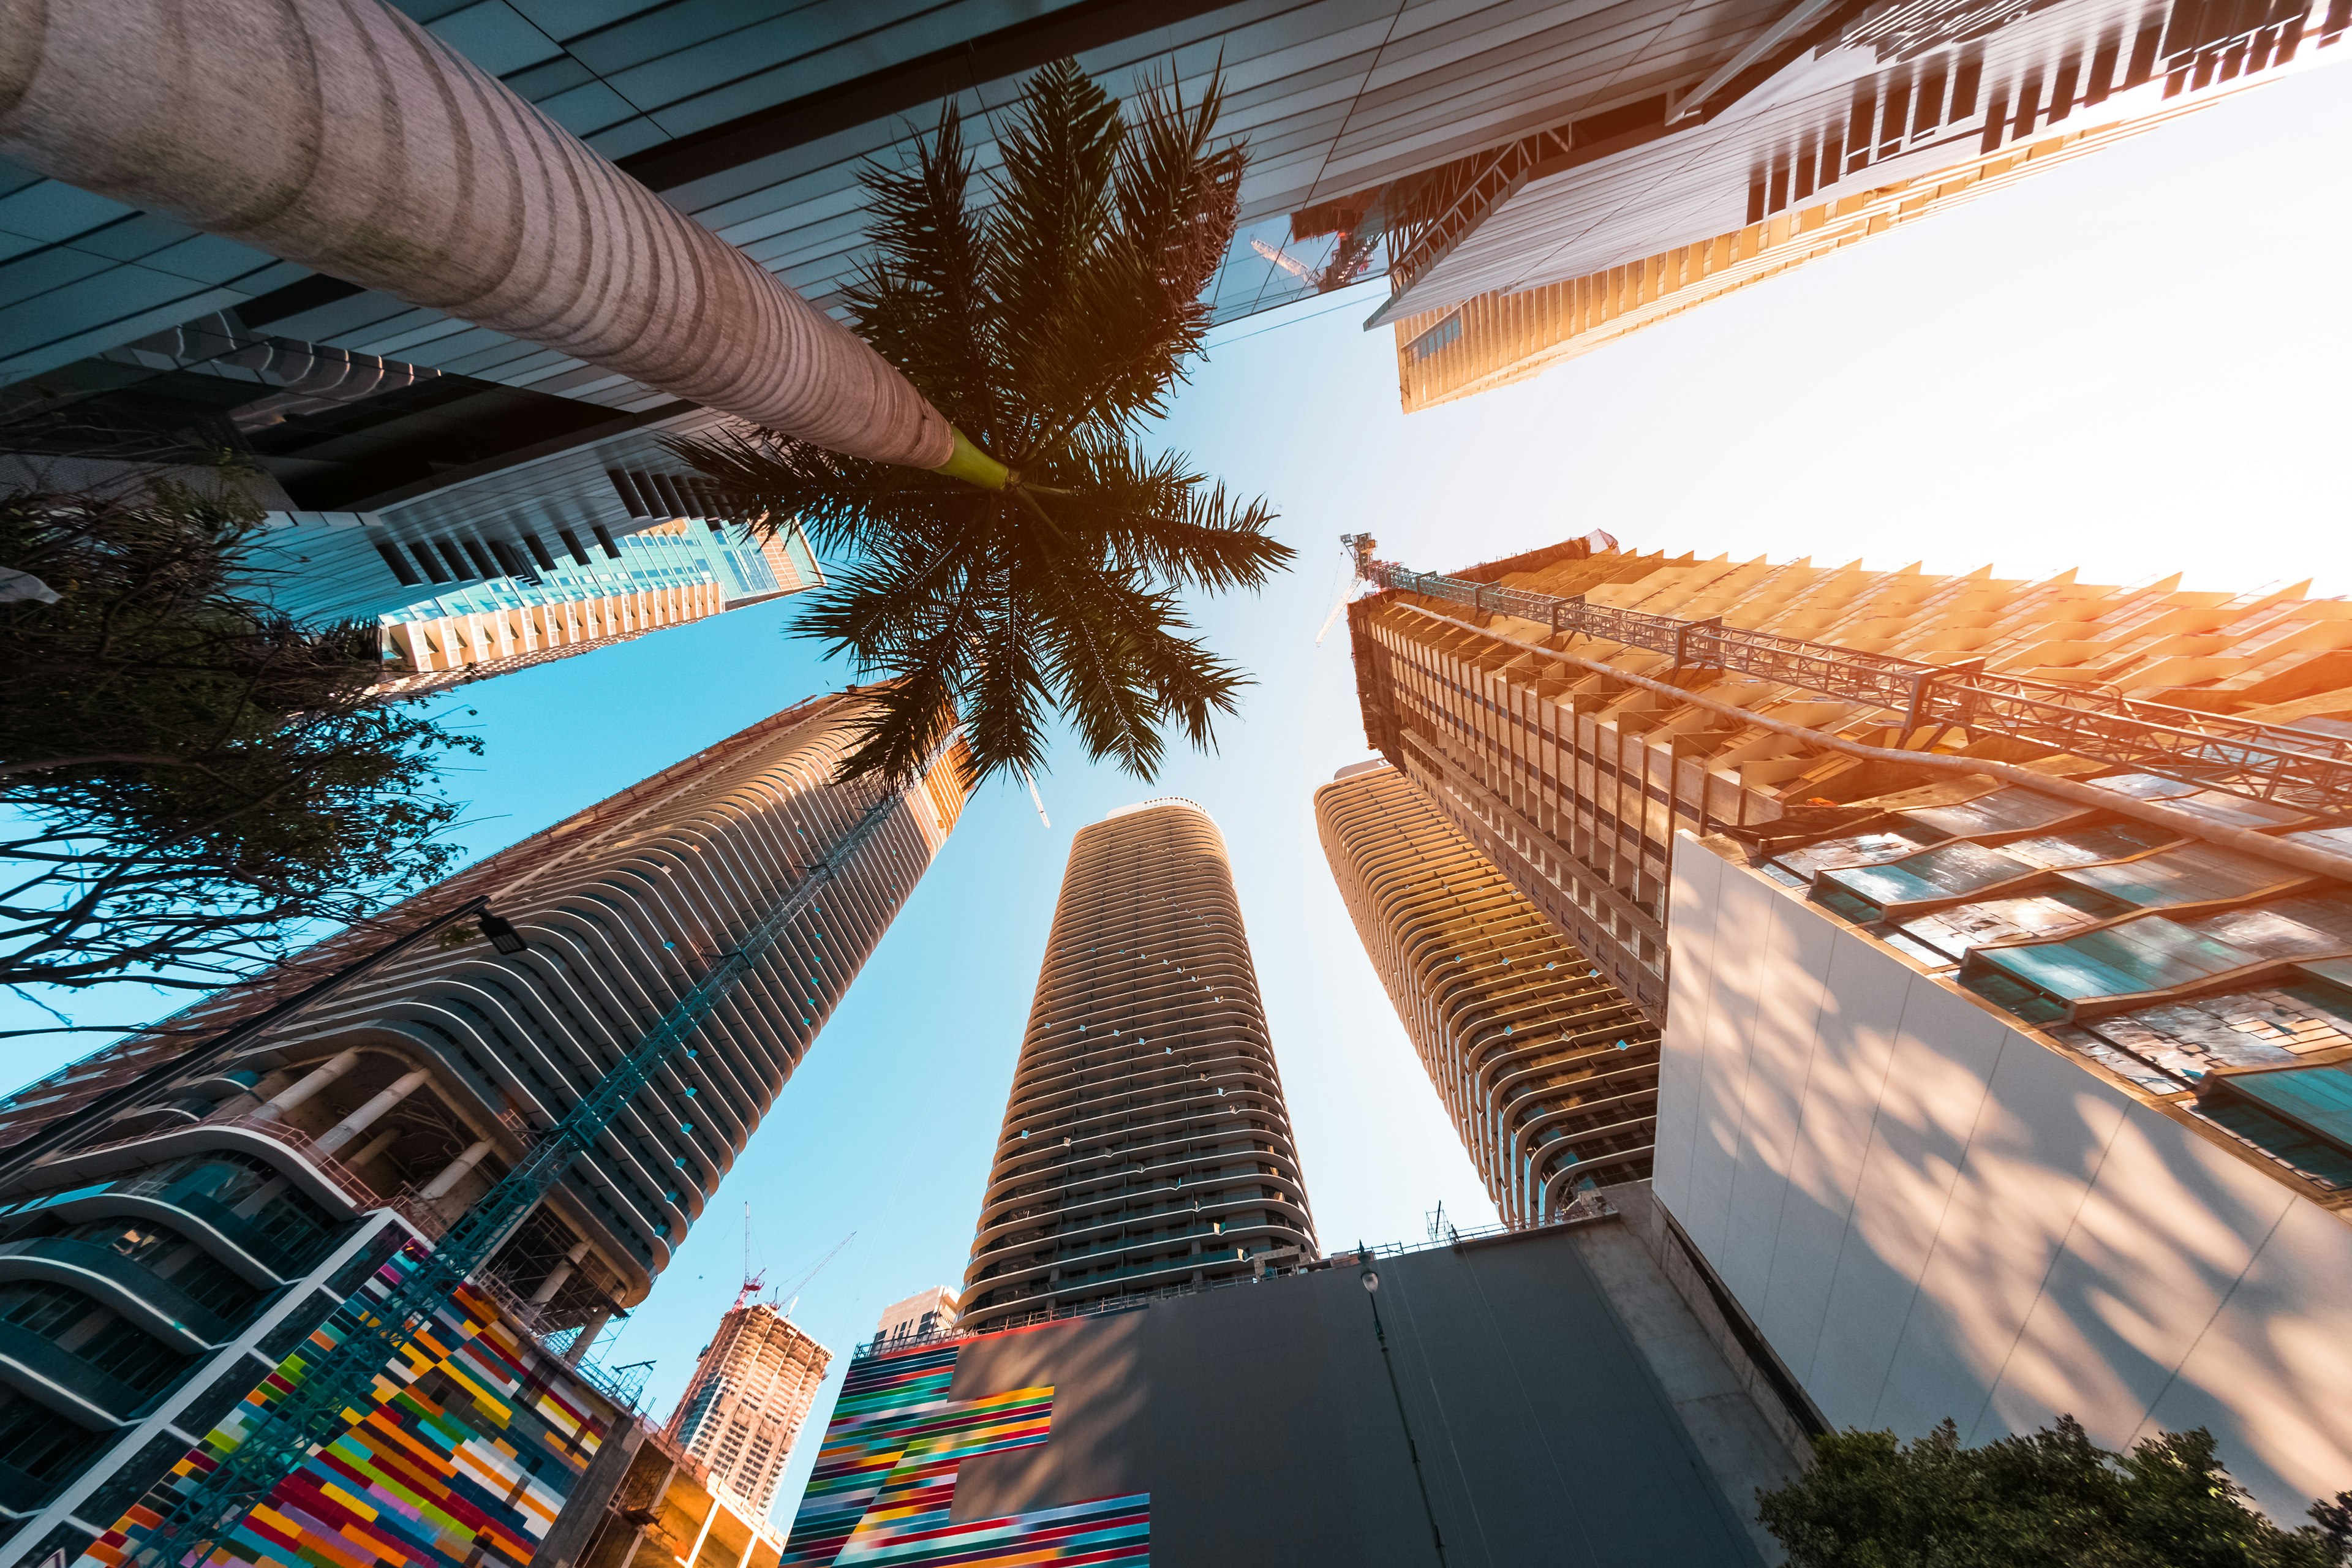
column 1145, row 1140
column 181, row 1211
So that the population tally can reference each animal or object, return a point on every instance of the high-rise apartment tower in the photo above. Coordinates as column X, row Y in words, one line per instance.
column 1549, row 1074
column 1146, row 1142
column 176, row 1234
column 751, row 1389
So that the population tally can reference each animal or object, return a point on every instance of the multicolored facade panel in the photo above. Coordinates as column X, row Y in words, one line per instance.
column 885, row 1480
column 470, row 1444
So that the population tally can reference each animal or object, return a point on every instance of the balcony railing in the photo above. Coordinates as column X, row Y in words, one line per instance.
column 1586, row 1208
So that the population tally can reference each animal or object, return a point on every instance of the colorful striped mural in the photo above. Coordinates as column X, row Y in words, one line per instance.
column 469, row 1446
column 885, row 1478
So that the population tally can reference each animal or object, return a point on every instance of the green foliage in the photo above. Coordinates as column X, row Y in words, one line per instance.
column 1048, row 323
column 2051, row 1498
column 192, row 780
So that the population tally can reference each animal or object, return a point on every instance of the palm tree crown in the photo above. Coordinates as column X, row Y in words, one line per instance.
column 1048, row 324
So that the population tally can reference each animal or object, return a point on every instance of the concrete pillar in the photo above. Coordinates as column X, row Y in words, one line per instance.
column 374, row 1146
column 367, row 1115
column 310, row 1083
column 588, row 1332
column 559, row 1274
column 454, row 1171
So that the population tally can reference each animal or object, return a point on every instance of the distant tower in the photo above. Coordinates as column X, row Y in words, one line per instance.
column 751, row 1390
column 1548, row 1072
column 924, row 1313
column 1146, row 1142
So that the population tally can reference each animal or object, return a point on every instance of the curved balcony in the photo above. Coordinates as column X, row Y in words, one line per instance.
column 65, row 1383
column 132, row 1290
column 205, row 1196
column 43, row 1454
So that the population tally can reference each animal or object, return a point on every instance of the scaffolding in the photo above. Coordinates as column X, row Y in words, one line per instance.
column 2303, row 769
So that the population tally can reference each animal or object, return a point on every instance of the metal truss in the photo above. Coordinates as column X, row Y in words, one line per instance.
column 2297, row 768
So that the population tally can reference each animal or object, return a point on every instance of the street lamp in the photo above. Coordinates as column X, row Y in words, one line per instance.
column 502, row 934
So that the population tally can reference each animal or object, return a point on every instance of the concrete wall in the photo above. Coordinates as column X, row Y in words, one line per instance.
column 1258, row 1424
column 1928, row 1212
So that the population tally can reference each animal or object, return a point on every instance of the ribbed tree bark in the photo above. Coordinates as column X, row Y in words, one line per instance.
column 338, row 134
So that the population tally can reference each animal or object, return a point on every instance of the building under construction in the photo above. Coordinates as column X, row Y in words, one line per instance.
column 751, row 1390
column 187, row 1209
column 1686, row 694
column 2001, row 934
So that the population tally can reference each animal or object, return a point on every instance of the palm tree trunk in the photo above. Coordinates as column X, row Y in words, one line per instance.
column 338, row 134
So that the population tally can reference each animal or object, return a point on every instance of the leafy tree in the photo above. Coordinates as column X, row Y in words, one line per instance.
column 190, row 781
column 2051, row 1498
column 1048, row 324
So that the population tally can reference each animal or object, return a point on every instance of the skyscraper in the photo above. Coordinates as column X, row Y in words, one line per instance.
column 1799, row 142
column 219, row 1182
column 1510, row 694
column 668, row 573
column 1549, row 1074
column 1146, row 1142
column 751, row 1389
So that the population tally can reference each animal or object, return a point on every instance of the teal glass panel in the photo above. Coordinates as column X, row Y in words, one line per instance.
column 2194, row 873
column 2233, row 811
column 1855, row 850
column 2318, row 1099
column 2045, row 912
column 1943, row 872
column 2293, row 928
column 2002, row 811
column 2151, row 953
column 2090, row 845
column 2301, row 1117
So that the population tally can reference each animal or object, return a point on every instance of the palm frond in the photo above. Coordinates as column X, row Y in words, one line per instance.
column 1047, row 328
column 924, row 299
column 1178, row 196
column 1160, row 516
column 843, row 504
column 1046, row 230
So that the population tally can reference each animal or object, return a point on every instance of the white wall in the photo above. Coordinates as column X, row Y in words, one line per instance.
column 1928, row 1212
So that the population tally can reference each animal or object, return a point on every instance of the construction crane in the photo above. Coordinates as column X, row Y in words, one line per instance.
column 1355, row 569
column 372, row 1337
column 801, row 1283
column 754, row 1281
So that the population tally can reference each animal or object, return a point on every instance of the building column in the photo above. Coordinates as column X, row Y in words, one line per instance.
column 454, row 1171
column 559, row 1274
column 303, row 1088
column 374, row 1146
column 588, row 1332
column 367, row 1115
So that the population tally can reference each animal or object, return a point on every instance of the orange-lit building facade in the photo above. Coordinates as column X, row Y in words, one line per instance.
column 1574, row 783
column 1863, row 119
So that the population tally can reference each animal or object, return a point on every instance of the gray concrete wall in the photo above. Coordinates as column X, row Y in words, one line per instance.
column 1557, row 1420
column 1751, row 1440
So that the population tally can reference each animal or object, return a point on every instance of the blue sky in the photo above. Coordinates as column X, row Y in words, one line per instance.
column 2133, row 365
